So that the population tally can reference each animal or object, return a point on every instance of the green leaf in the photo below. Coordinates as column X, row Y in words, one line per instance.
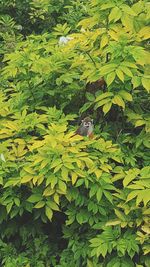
column 26, row 179
column 139, row 123
column 79, row 182
column 118, row 101
column 145, row 172
column 146, row 83
column 107, row 107
column 131, row 175
column 120, row 215
column 104, row 248
column 48, row 213
column 90, row 97
column 146, row 196
column 34, row 198
column 107, row 68
column 69, row 165
column 56, row 163
column 12, row 182
column 52, row 179
column 48, row 191
column 89, row 263
column 136, row 81
column 99, row 194
column 107, row 6
column 104, row 41
column 1, row 180
column 110, row 78
column 79, row 218
column 39, row 205
column 64, row 174
column 144, row 33
column 28, row 170
column 62, row 186
column 17, row 201
column 13, row 213
column 125, row 95
column 101, row 103
column 126, row 70
column 85, row 107
column 143, row 195
column 52, row 205
column 129, row 64
column 104, row 95
column 9, row 206
column 115, row 14
column 120, row 74
column 113, row 222
column 128, row 10
column 108, row 196
column 132, row 195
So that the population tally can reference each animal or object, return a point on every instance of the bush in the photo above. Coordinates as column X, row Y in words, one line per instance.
column 67, row 200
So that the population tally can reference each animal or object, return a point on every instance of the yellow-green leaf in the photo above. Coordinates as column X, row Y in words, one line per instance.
column 98, row 173
column 64, row 173
column 129, row 64
column 37, row 144
column 128, row 178
column 101, row 103
column 52, row 205
column 34, row 198
column 120, row 74
column 1, row 180
column 62, row 186
column 107, row 107
column 89, row 263
column 144, row 33
column 26, row 179
column 107, row 6
column 120, row 215
column 125, row 95
column 118, row 101
column 115, row 14
column 107, row 68
column 110, row 78
column 104, row 95
column 139, row 123
column 48, row 213
column 74, row 177
column 114, row 35
column 132, row 195
column 125, row 8
column 56, row 198
column 29, row 170
column 104, row 41
column 48, row 191
column 9, row 206
column 146, row 83
column 113, row 222
column 39, row 205
column 126, row 70
column 99, row 194
column 136, row 81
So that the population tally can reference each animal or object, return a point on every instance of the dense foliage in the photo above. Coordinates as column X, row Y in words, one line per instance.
column 66, row 200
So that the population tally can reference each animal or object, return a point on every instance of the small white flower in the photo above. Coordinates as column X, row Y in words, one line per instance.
column 64, row 40
column 2, row 157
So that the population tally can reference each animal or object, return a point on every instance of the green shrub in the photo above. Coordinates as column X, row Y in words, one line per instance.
column 66, row 200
